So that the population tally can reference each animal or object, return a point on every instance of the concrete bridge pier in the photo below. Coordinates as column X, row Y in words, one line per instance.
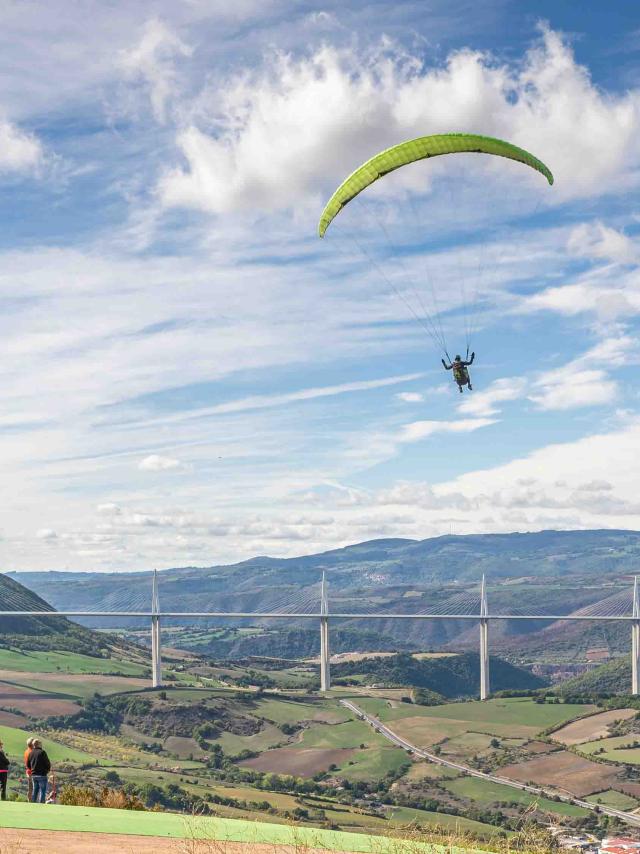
column 325, row 653
column 156, row 651
column 635, row 641
column 485, row 688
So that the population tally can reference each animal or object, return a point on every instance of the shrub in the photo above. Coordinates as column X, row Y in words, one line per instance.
column 85, row 796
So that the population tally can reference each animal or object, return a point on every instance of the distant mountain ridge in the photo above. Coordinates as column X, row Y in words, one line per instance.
column 546, row 571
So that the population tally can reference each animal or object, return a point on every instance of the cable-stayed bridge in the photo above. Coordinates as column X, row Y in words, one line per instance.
column 313, row 603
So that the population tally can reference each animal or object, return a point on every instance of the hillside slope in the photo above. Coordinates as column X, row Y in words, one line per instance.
column 614, row 677
column 451, row 677
column 45, row 633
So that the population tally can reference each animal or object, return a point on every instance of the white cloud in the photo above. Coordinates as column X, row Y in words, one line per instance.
column 598, row 241
column 46, row 534
column 19, row 151
column 109, row 509
column 152, row 60
column 553, row 479
column 422, row 429
column 410, row 396
column 267, row 401
column 608, row 301
column 155, row 462
column 273, row 148
column 484, row 403
column 570, row 389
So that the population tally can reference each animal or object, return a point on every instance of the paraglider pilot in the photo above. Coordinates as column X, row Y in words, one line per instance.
column 460, row 372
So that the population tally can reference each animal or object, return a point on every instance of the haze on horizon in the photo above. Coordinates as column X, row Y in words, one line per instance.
column 190, row 377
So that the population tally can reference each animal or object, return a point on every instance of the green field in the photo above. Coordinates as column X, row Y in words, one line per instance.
column 233, row 744
column 486, row 793
column 171, row 825
column 14, row 741
column 517, row 716
column 73, row 686
column 66, row 662
column 373, row 763
column 613, row 749
column 423, row 770
column 348, row 734
column 611, row 798
column 290, row 712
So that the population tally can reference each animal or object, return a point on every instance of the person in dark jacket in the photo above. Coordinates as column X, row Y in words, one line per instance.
column 40, row 767
column 4, row 773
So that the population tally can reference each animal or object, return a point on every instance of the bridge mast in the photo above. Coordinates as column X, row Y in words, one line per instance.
column 156, row 654
column 635, row 640
column 484, row 643
column 325, row 670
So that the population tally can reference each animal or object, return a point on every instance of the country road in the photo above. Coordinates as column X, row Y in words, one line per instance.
column 472, row 772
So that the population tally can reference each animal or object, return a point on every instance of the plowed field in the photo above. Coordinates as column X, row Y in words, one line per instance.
column 565, row 771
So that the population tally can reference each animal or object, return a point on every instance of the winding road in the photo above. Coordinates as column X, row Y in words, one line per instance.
column 394, row 738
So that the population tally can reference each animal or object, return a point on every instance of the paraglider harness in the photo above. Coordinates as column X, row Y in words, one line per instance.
column 460, row 373
column 459, row 368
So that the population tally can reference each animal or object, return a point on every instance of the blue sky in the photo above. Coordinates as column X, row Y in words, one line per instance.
column 190, row 376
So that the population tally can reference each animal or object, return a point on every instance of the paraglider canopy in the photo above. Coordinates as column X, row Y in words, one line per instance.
column 420, row 149
column 403, row 255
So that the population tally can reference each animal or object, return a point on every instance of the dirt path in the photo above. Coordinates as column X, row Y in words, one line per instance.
column 62, row 842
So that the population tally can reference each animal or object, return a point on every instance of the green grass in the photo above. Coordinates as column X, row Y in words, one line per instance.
column 517, row 711
column 612, row 749
column 373, row 763
column 14, row 741
column 290, row 712
column 427, row 771
column 171, row 825
column 233, row 744
column 485, row 792
column 66, row 662
column 517, row 716
column 71, row 687
column 611, row 798
column 347, row 734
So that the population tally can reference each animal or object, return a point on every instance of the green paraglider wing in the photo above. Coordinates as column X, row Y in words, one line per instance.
column 420, row 149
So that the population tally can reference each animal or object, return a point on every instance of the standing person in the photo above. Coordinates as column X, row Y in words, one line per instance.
column 27, row 753
column 4, row 773
column 40, row 767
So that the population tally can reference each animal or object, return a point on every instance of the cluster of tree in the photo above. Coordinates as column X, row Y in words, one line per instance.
column 255, row 677
column 450, row 676
column 102, row 714
column 298, row 643
column 603, row 681
column 425, row 697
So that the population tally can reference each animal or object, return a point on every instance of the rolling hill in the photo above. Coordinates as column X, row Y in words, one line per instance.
column 544, row 572
column 450, row 677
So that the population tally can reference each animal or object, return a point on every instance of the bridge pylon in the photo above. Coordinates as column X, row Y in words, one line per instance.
column 325, row 667
column 635, row 640
column 156, row 652
column 485, row 688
